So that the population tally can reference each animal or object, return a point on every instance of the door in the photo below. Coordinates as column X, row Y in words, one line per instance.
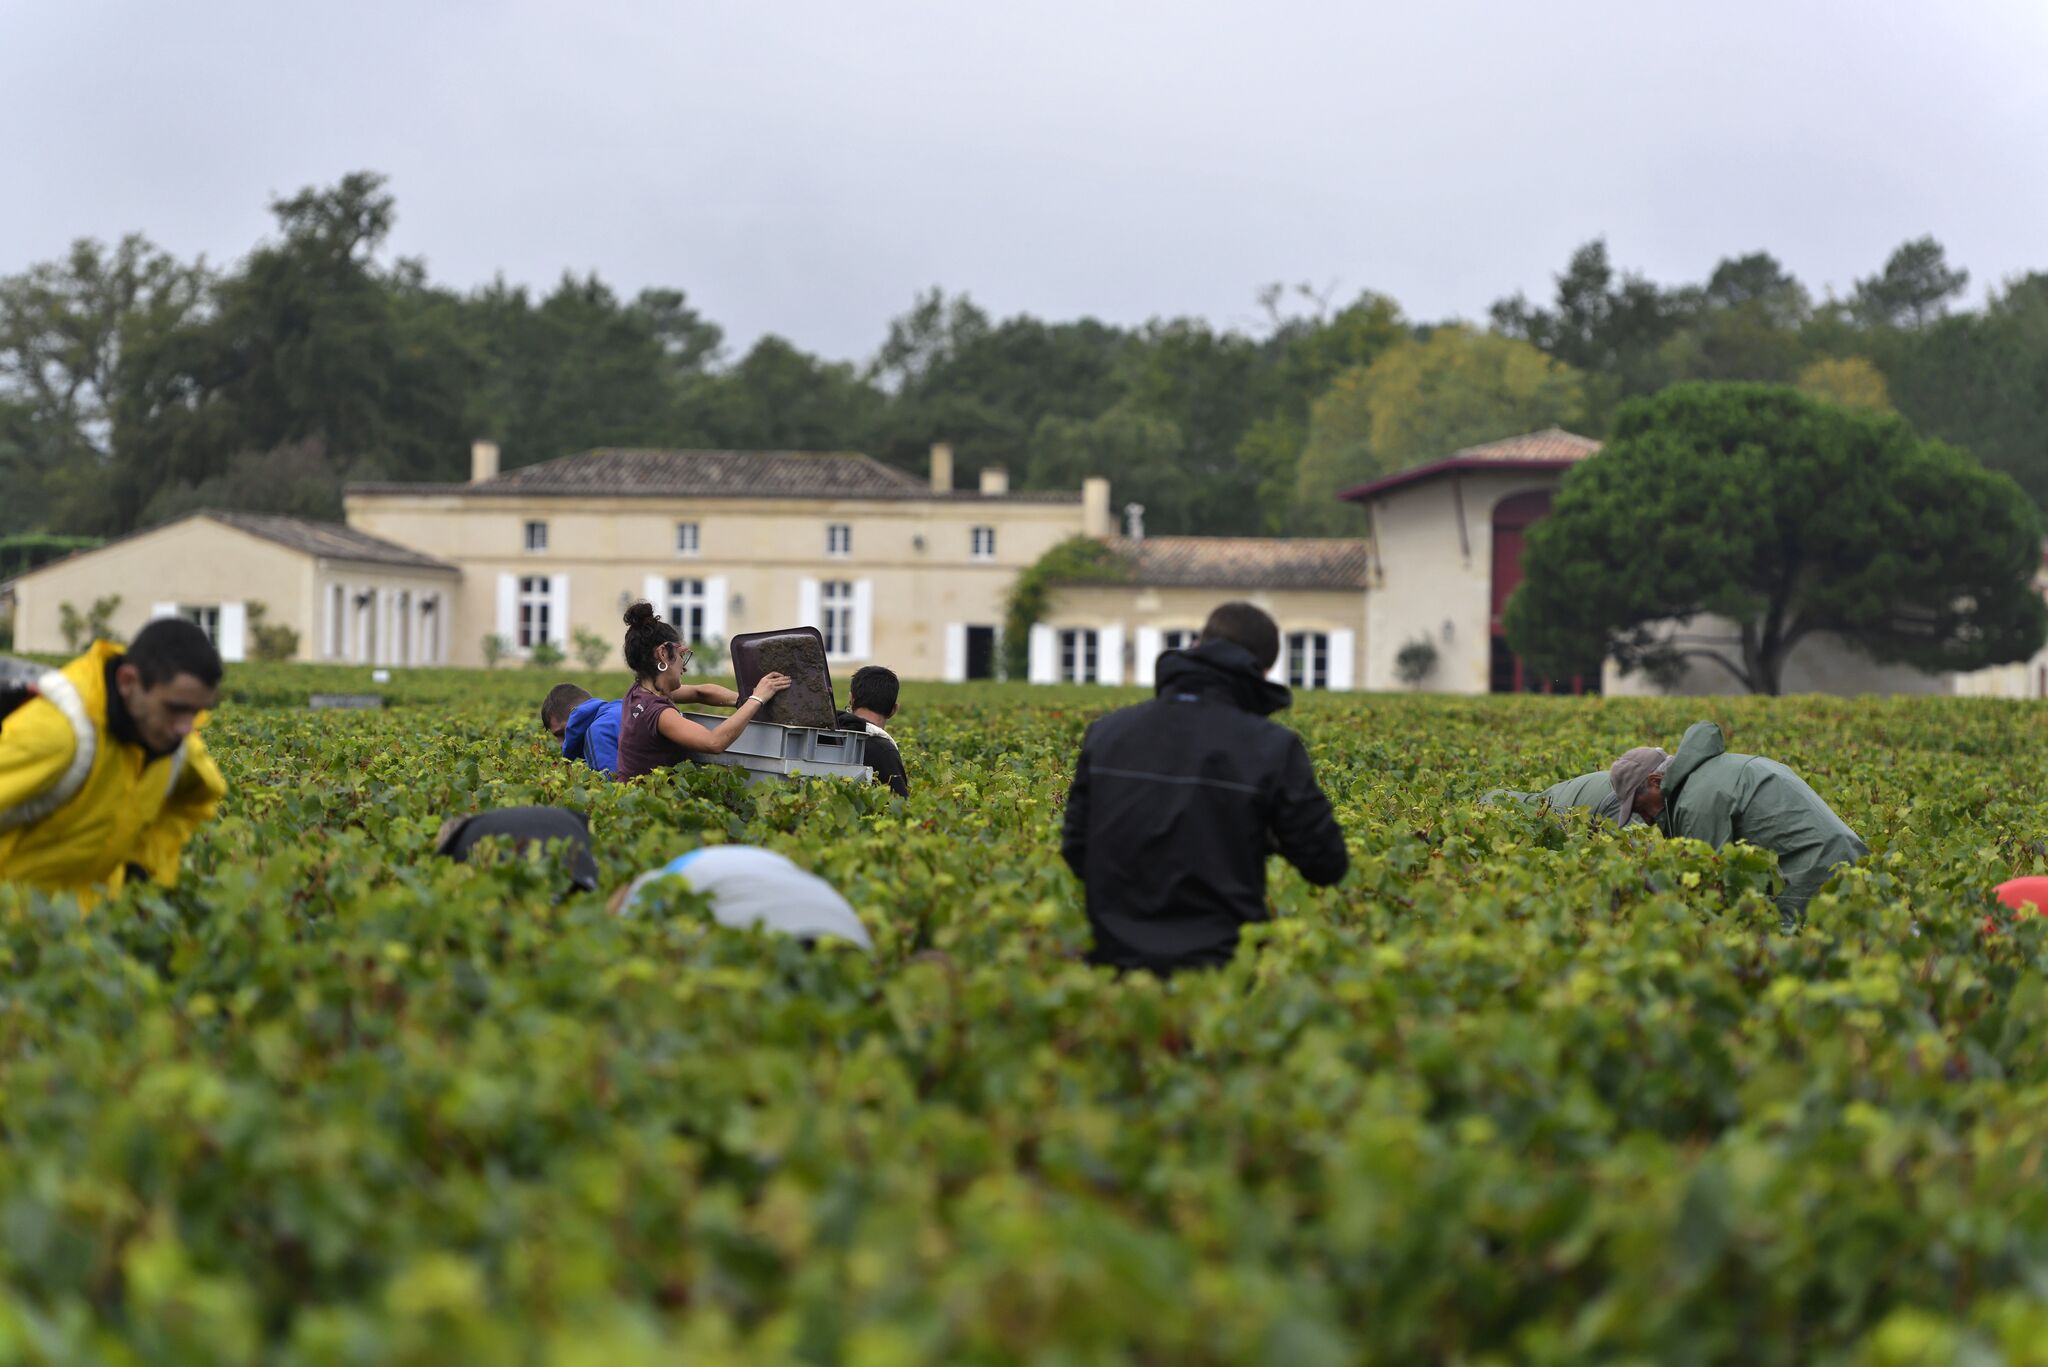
column 981, row 652
column 1512, row 518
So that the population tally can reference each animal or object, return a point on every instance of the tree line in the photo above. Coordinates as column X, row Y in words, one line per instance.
column 135, row 386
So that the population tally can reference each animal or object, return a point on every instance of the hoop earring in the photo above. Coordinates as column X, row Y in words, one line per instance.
column 660, row 667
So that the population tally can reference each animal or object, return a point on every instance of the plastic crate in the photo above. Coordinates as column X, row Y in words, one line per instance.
column 767, row 750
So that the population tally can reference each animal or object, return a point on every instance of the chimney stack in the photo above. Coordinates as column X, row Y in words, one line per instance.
column 483, row 461
column 995, row 481
column 942, row 467
column 1096, row 519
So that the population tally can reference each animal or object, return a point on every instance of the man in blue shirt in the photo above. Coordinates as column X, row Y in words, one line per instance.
column 587, row 727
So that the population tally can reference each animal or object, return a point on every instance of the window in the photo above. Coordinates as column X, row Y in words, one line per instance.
column 1308, row 659
column 1180, row 639
column 838, row 539
column 984, row 543
column 686, row 538
column 536, row 536
column 837, row 600
column 337, row 620
column 1079, row 657
column 686, row 609
column 430, row 629
column 533, row 610
column 206, row 619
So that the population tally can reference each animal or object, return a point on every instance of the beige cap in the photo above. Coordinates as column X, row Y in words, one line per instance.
column 1628, row 775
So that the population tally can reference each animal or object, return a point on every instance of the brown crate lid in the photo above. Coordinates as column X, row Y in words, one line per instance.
column 798, row 652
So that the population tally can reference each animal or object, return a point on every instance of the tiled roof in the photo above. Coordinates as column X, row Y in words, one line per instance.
column 328, row 539
column 705, row 474
column 1551, row 450
column 1242, row 562
column 1552, row 443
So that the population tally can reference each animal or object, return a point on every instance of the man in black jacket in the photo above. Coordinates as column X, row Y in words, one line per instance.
column 1177, row 802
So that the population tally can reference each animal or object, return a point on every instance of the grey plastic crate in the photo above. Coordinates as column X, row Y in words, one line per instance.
column 766, row 750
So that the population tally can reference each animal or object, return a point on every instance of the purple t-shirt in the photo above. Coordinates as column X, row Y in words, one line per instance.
column 642, row 747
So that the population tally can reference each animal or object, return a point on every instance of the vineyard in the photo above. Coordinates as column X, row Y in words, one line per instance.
column 1513, row 1092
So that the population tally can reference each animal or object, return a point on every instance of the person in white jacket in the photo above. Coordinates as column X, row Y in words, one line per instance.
column 748, row 887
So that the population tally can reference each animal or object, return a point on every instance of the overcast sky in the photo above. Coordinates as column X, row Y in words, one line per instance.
column 806, row 168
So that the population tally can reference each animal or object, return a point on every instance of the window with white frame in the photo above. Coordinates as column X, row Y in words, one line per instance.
column 839, row 539
column 534, row 606
column 536, row 536
column 1308, row 659
column 1181, row 638
column 686, row 538
column 206, row 619
column 983, row 543
column 1080, row 656
column 686, row 603
column 836, row 599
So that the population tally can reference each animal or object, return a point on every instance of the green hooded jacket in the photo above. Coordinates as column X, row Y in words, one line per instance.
column 1712, row 795
column 1587, row 790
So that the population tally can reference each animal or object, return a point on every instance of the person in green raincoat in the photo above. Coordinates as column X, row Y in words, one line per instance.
column 1706, row 793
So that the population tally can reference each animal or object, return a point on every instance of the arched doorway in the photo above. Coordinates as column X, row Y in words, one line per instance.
column 1512, row 518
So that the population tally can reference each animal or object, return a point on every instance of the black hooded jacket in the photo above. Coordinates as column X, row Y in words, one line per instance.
column 1177, row 802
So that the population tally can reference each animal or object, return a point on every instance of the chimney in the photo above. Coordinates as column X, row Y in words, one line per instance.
column 1095, row 515
column 995, row 481
column 942, row 467
column 483, row 461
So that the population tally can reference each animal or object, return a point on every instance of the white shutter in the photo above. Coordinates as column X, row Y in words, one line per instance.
column 234, row 630
column 558, row 609
column 1343, row 652
column 1045, row 655
column 807, row 614
column 655, row 591
column 1147, row 656
column 508, row 609
column 163, row 610
column 717, row 598
column 1109, row 645
column 956, row 652
column 385, row 654
column 1278, row 673
column 863, row 619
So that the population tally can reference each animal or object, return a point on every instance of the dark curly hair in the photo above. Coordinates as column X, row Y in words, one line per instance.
column 645, row 634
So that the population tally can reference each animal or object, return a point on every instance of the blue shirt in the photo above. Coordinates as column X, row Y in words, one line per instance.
column 592, row 735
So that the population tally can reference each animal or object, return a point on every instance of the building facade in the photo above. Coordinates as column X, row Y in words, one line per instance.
column 893, row 570
column 348, row 595
column 1445, row 547
column 1112, row 631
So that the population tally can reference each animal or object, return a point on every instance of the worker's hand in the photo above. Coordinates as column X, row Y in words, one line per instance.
column 771, row 684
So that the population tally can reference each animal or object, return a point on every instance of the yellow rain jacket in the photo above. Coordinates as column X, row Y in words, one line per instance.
column 78, row 805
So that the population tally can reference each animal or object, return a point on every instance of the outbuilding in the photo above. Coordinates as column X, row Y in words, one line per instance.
column 349, row 596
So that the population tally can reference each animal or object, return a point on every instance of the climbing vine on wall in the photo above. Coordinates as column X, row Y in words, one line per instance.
column 1078, row 559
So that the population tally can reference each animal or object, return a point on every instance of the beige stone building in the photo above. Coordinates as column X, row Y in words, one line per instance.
column 891, row 569
column 1112, row 631
column 349, row 595
column 1446, row 551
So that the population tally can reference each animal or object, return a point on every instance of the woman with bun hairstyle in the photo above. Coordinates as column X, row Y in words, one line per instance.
column 652, row 734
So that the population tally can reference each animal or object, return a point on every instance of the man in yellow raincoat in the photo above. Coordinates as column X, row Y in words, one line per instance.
column 103, row 776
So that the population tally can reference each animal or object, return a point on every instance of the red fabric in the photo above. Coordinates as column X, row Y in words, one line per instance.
column 2020, row 891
